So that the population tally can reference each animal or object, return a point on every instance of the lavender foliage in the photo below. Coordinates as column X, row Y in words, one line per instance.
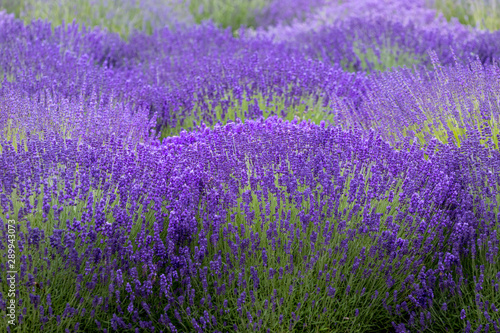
column 189, row 180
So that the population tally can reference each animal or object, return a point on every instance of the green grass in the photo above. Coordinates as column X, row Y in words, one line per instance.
column 377, row 57
column 124, row 16
column 13, row 6
column 385, row 57
column 306, row 108
column 227, row 13
column 482, row 14
column 119, row 16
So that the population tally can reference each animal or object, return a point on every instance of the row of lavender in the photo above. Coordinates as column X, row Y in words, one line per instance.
column 205, row 74
column 264, row 225
column 249, row 225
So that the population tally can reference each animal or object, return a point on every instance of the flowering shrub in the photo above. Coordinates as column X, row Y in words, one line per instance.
column 445, row 103
column 239, row 202
column 226, row 77
column 372, row 35
column 188, row 180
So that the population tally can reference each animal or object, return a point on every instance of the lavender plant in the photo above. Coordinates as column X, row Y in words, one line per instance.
column 311, row 218
column 187, row 180
column 378, row 44
column 447, row 104
column 333, row 12
column 373, row 35
column 228, row 78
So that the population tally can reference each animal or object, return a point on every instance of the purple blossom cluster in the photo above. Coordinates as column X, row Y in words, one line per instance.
column 356, row 34
column 333, row 12
column 281, row 12
column 446, row 103
column 379, row 214
column 194, row 74
column 255, row 210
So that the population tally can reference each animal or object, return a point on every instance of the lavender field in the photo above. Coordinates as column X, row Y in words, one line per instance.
column 249, row 166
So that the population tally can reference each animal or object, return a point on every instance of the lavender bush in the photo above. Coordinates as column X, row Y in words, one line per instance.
column 187, row 180
column 320, row 200
column 226, row 77
column 367, row 41
column 446, row 103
